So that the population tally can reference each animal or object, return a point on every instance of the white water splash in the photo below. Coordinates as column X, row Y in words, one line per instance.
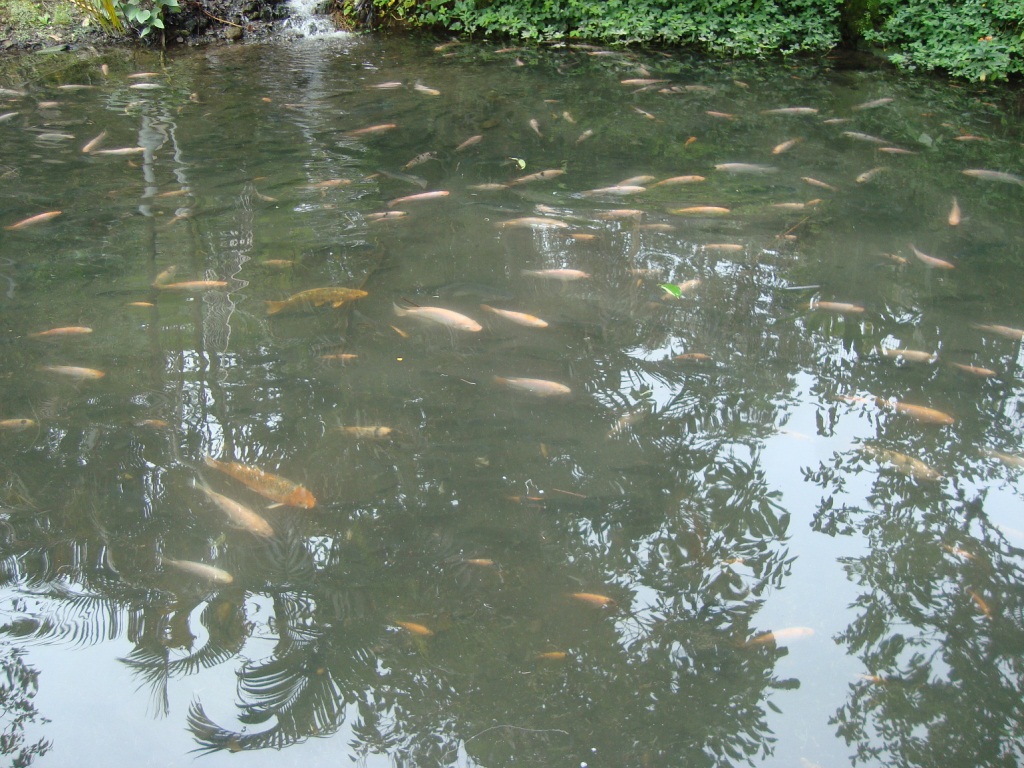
column 303, row 21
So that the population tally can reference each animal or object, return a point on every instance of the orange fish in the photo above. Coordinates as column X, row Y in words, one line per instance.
column 919, row 412
column 74, row 372
column 372, row 129
column 931, row 261
column 367, row 432
column 16, row 425
column 539, row 387
column 982, row 605
column 974, row 369
column 694, row 357
column 482, row 562
column 239, row 514
column 436, row 194
column 674, row 180
column 265, row 484
column 600, row 601
column 1016, row 334
column 780, row 635
column 469, row 143
column 954, row 214
column 519, row 318
column 702, row 210
column 785, row 146
column 192, row 285
column 37, row 219
column 416, row 629
column 71, row 330
column 552, row 656
column 837, row 306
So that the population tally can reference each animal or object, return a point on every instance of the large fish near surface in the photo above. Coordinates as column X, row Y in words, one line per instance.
column 316, row 297
column 440, row 316
column 981, row 173
column 921, row 413
column 540, row 387
column 267, row 485
column 239, row 514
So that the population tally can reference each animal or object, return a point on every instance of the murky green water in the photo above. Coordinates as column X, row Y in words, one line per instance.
column 497, row 574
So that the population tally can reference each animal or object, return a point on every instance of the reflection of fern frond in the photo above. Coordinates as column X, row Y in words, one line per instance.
column 213, row 738
column 102, row 12
column 76, row 618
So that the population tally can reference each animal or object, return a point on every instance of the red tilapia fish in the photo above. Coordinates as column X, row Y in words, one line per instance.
column 316, row 297
column 265, row 484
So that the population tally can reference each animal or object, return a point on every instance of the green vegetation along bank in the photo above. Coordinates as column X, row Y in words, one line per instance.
column 973, row 39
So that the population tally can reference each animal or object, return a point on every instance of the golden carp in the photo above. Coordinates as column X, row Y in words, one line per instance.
column 618, row 189
column 980, row 173
column 70, row 330
column 872, row 104
column 790, row 111
column 815, row 183
column 201, row 570
column 552, row 656
column 676, row 180
column 584, row 136
column 1016, row 334
column 931, row 261
column 533, row 222
column 982, row 605
column 372, row 433
column 94, row 143
column 420, row 87
column 910, row 355
column 974, row 370
column 1009, row 459
column 519, row 318
column 435, row 195
column 921, row 413
column 864, row 137
column 563, row 274
column 836, row 306
column 954, row 217
column 745, row 168
column 620, row 213
column 551, row 173
column 535, row 127
column 719, row 115
column 316, row 297
column 867, row 176
column 414, row 628
column 192, row 285
column 372, row 129
column 73, row 372
column 39, row 218
column 780, row 635
column 327, row 184
column 16, row 425
column 641, row 81
column 636, row 180
column 540, row 387
column 644, row 113
column 908, row 465
column 702, row 210
column 472, row 140
column 785, row 146
column 693, row 357
column 239, row 514
column 591, row 598
column 440, row 316
column 119, row 151
column 267, row 485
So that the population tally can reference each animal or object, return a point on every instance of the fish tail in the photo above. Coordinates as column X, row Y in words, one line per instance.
column 211, row 462
column 401, row 311
column 273, row 307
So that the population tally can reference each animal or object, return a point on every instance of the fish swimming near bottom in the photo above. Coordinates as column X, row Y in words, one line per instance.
column 920, row 413
column 73, row 371
column 519, row 318
column 201, row 570
column 268, row 485
column 316, row 297
column 908, row 465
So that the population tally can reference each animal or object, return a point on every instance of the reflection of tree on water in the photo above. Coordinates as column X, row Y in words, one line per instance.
column 940, row 627
column 18, row 686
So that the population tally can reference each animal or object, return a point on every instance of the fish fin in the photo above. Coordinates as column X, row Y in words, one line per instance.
column 276, row 505
column 336, row 304
column 400, row 311
column 273, row 307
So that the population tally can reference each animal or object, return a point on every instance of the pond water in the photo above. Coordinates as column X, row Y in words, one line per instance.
column 592, row 433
